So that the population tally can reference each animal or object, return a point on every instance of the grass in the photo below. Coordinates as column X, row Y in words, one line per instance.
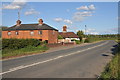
column 94, row 39
column 6, row 53
column 112, row 70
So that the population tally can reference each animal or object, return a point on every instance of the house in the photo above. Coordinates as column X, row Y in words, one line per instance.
column 40, row 31
column 68, row 36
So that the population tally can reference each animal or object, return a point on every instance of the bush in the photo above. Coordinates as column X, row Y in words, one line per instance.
column 60, row 37
column 77, row 41
column 19, row 43
column 87, row 40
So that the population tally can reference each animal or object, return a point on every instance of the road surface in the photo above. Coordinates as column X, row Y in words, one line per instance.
column 86, row 61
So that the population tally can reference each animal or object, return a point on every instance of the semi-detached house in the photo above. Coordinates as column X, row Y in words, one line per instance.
column 40, row 31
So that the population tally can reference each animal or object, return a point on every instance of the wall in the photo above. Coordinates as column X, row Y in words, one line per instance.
column 60, row 44
column 52, row 36
column 67, row 40
column 25, row 34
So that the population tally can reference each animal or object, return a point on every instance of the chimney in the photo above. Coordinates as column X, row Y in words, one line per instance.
column 64, row 28
column 18, row 23
column 40, row 21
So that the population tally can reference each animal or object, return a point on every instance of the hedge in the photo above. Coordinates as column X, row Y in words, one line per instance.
column 19, row 43
column 87, row 40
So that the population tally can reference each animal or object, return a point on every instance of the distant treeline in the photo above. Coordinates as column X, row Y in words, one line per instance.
column 104, row 35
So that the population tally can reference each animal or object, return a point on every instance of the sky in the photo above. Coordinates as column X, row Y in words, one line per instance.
column 99, row 17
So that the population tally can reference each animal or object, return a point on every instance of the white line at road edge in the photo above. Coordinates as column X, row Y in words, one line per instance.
column 26, row 66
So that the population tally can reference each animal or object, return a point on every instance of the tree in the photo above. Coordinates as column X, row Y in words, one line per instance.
column 80, row 34
column 60, row 37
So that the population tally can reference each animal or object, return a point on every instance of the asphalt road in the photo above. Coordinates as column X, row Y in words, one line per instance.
column 79, row 62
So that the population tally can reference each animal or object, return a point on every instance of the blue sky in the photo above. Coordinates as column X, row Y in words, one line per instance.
column 100, row 17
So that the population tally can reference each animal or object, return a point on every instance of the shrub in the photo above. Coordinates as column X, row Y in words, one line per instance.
column 19, row 43
column 77, row 41
column 73, row 40
column 60, row 37
column 86, row 40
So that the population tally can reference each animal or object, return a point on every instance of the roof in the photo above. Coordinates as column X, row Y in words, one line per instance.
column 30, row 27
column 68, row 35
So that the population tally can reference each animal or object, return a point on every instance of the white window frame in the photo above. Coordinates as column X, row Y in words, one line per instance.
column 40, row 32
column 17, row 33
column 31, row 32
column 9, row 33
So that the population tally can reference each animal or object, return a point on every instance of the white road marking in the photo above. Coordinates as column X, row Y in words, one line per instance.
column 22, row 67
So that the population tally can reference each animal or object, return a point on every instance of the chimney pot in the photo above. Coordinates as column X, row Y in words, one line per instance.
column 64, row 28
column 40, row 21
column 18, row 23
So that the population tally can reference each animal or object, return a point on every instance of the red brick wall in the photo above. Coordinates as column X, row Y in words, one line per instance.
column 25, row 34
column 53, row 36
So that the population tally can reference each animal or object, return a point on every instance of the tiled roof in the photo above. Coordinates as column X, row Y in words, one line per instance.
column 30, row 27
column 68, row 35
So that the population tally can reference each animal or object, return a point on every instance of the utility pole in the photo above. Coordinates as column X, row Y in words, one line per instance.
column 85, row 30
column 19, row 14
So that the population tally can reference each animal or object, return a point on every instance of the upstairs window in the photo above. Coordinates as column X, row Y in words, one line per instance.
column 31, row 33
column 9, row 33
column 17, row 33
column 40, row 32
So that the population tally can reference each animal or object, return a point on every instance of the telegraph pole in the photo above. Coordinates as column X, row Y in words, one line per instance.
column 19, row 14
column 85, row 30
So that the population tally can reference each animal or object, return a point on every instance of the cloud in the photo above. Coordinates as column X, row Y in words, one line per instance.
column 31, row 12
column 58, row 19
column 15, row 5
column 87, row 11
column 91, row 31
column 82, row 8
column 90, row 7
column 84, row 14
column 80, row 16
column 68, row 21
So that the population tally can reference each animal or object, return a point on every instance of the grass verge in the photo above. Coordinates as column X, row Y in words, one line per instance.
column 112, row 70
column 7, row 53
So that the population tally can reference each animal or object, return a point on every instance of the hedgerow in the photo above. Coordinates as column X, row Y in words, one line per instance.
column 19, row 43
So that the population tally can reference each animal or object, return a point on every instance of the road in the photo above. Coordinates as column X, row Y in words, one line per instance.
column 86, row 61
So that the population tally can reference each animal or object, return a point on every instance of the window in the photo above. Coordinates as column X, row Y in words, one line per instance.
column 9, row 33
column 31, row 33
column 16, row 33
column 40, row 32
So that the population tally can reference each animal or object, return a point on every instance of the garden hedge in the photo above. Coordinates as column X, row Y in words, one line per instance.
column 19, row 43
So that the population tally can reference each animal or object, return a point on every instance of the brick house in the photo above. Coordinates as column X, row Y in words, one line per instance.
column 68, row 36
column 40, row 31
